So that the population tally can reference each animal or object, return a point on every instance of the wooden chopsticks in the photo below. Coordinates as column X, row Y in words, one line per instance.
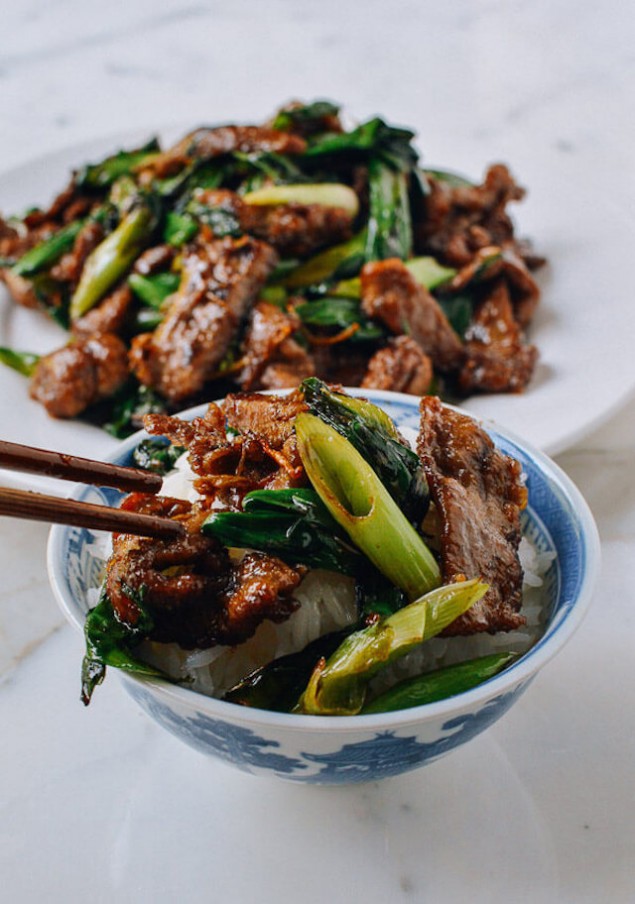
column 40, row 507
column 17, row 457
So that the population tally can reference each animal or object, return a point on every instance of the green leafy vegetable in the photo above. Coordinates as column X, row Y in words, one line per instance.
column 103, row 174
column 458, row 309
column 438, row 685
column 292, row 524
column 266, row 167
column 283, row 268
column 154, row 289
column 198, row 174
column 376, row 595
column 127, row 408
column 308, row 115
column 369, row 139
column 338, row 685
column 339, row 313
column 278, row 685
column 156, row 455
column 53, row 298
column 179, row 228
column 110, row 642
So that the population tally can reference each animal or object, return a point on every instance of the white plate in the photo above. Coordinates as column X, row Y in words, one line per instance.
column 583, row 329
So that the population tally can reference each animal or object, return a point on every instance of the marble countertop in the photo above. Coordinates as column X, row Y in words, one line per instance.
column 101, row 804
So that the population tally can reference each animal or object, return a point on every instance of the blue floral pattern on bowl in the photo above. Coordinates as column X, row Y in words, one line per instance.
column 368, row 748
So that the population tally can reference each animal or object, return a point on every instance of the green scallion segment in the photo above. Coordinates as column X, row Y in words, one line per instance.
column 363, row 507
column 111, row 259
column 326, row 194
column 23, row 362
column 373, row 434
column 338, row 685
column 329, row 264
column 389, row 222
column 49, row 251
column 441, row 684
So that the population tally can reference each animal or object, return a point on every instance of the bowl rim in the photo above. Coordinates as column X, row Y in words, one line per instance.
column 519, row 672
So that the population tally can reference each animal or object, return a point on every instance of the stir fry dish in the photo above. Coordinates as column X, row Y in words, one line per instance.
column 253, row 257
column 321, row 553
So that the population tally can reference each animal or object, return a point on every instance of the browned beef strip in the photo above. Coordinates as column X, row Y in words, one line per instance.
column 154, row 259
column 297, row 230
column 271, row 357
column 525, row 249
column 400, row 367
column 20, row 289
column 478, row 495
column 269, row 417
column 228, row 469
column 220, row 282
column 57, row 208
column 69, row 268
column 7, row 231
column 341, row 363
column 294, row 230
column 291, row 365
column 497, row 358
column 10, row 242
column 486, row 264
column 247, row 464
column 461, row 220
column 491, row 262
column 109, row 316
column 523, row 290
column 70, row 379
column 203, row 437
column 269, row 421
column 206, row 143
column 391, row 295
column 261, row 587
column 194, row 594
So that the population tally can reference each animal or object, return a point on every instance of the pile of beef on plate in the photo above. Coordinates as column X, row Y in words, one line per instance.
column 252, row 257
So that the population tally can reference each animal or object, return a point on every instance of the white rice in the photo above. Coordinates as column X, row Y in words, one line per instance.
column 327, row 603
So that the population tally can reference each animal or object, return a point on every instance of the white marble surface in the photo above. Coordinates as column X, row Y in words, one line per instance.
column 102, row 805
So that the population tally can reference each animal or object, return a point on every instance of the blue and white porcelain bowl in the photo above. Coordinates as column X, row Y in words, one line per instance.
column 371, row 747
